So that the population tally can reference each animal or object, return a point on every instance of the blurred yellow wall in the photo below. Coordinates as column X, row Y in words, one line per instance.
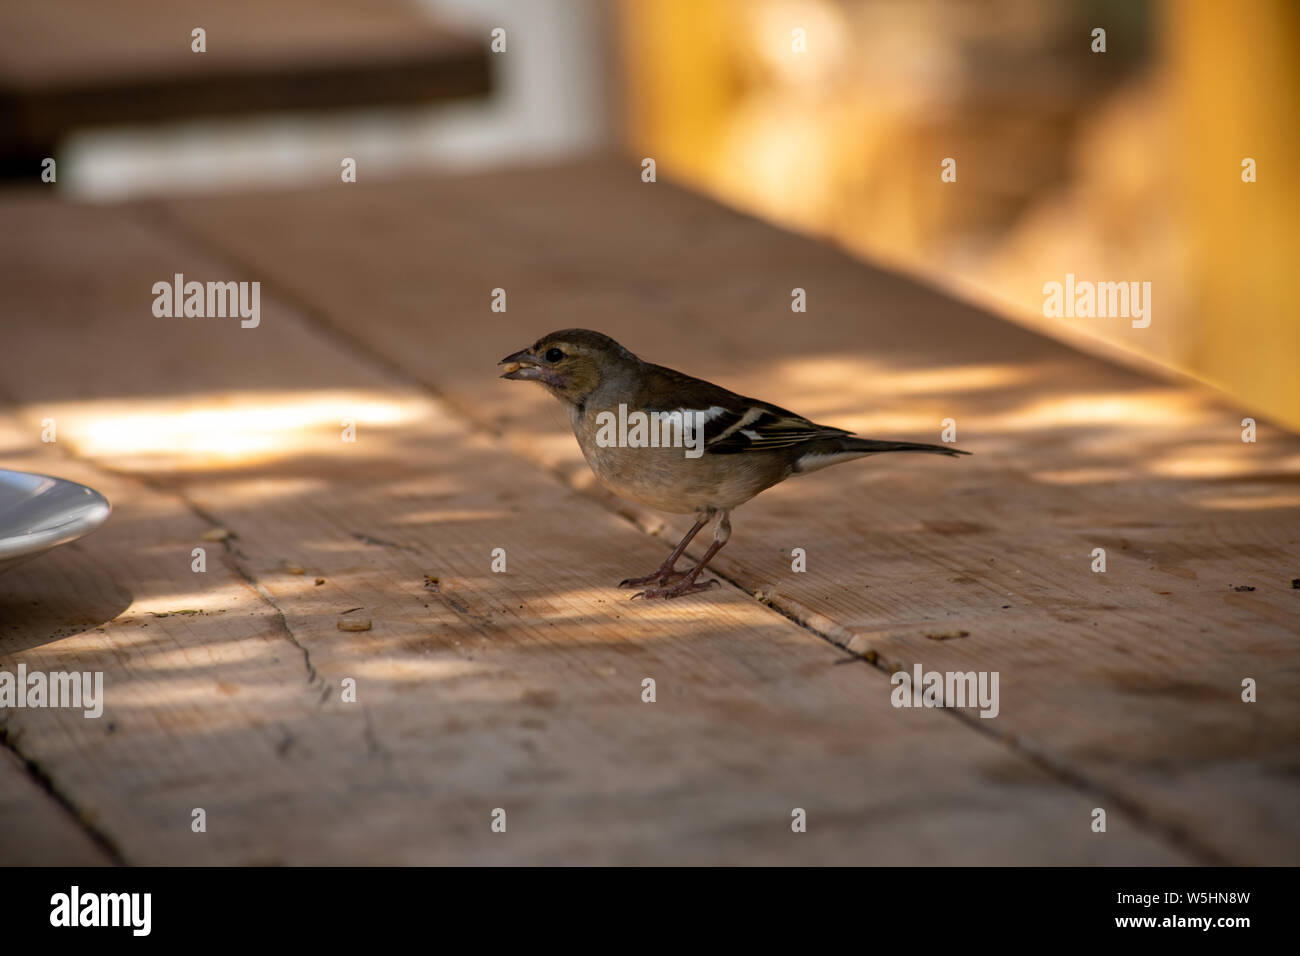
column 1235, row 72
column 1059, row 173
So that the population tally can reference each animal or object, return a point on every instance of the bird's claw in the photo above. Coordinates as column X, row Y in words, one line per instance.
column 659, row 577
column 677, row 590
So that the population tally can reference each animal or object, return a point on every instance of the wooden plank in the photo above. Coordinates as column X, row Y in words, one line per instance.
column 198, row 706
column 1131, row 679
column 520, row 690
column 71, row 63
column 37, row 831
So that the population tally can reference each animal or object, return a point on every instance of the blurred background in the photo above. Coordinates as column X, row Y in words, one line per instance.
column 829, row 117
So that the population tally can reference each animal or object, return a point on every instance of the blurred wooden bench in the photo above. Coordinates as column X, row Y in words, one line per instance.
column 68, row 64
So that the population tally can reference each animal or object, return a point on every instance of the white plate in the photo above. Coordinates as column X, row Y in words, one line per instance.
column 38, row 512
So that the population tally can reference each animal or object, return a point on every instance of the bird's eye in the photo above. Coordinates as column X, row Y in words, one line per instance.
column 554, row 355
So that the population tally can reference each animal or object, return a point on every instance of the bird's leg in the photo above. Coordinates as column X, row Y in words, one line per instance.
column 665, row 571
column 687, row 584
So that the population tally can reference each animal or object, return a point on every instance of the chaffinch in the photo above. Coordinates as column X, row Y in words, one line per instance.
column 677, row 443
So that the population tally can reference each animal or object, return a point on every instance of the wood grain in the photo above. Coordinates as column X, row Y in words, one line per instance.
column 1129, row 679
column 37, row 830
column 475, row 690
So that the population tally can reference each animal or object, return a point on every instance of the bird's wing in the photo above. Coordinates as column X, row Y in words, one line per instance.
column 732, row 423
column 759, row 426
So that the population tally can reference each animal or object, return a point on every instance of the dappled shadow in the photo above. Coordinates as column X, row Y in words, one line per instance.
column 477, row 681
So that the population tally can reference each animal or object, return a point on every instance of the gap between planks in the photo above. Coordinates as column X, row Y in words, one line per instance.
column 40, row 779
column 160, row 216
column 35, row 771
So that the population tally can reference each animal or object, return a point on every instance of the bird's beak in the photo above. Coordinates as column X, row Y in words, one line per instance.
column 522, row 366
column 519, row 365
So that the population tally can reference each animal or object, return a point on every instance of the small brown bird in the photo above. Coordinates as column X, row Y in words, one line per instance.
column 677, row 443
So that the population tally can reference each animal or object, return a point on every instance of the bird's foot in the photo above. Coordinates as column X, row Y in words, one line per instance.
column 660, row 577
column 677, row 590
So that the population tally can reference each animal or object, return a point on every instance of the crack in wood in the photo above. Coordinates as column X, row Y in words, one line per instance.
column 41, row 778
column 381, row 543
column 319, row 319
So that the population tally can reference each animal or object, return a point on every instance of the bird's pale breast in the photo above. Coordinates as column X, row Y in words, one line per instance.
column 668, row 479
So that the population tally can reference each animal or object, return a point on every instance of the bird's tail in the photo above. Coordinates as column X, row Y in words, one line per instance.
column 870, row 446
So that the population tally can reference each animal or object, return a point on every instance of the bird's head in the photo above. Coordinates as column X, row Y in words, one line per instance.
column 571, row 363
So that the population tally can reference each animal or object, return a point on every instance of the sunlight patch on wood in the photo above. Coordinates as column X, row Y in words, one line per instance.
column 219, row 430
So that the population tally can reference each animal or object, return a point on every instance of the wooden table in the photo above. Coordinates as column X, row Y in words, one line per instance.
column 66, row 64
column 523, row 690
